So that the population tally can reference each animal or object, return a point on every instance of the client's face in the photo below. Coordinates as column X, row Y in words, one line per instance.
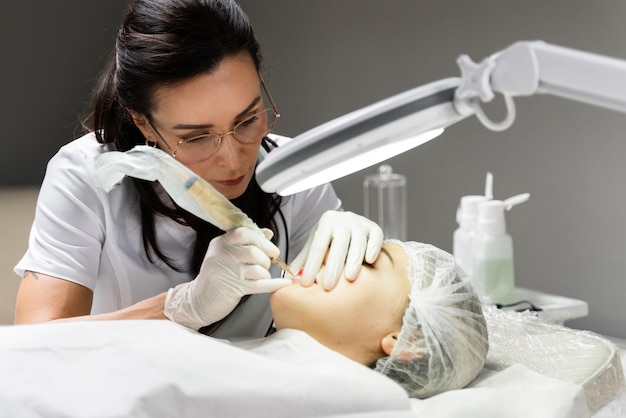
column 353, row 317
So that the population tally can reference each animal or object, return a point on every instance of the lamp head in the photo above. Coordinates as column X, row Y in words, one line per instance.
column 360, row 139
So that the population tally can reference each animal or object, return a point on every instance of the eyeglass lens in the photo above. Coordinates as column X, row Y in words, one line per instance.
column 249, row 131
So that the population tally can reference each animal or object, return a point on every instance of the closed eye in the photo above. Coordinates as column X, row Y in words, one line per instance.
column 373, row 265
column 249, row 121
column 196, row 140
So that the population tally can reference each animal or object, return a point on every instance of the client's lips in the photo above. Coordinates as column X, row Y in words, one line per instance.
column 231, row 182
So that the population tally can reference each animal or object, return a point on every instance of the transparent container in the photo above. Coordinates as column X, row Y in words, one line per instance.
column 384, row 201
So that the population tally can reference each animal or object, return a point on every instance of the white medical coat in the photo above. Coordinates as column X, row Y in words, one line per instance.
column 93, row 238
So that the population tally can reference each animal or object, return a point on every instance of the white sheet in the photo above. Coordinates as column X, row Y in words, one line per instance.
column 158, row 369
column 514, row 392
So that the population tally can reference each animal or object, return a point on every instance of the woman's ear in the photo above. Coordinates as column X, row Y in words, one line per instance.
column 141, row 123
column 139, row 119
column 388, row 342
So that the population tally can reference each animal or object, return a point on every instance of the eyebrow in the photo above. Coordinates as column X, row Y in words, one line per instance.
column 251, row 106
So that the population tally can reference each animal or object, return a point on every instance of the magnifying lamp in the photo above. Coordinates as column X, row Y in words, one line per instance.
column 399, row 123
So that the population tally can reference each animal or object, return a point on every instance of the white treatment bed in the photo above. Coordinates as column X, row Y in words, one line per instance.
column 159, row 369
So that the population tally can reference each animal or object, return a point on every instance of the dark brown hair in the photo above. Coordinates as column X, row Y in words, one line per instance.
column 163, row 42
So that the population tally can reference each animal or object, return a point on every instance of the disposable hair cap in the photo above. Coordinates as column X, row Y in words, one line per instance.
column 443, row 341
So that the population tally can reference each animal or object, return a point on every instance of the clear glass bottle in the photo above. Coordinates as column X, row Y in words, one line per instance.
column 384, row 201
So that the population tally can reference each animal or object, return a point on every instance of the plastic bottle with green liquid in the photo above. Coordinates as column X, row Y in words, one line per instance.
column 493, row 275
column 466, row 215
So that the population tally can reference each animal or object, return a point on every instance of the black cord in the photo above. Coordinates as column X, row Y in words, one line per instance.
column 531, row 307
column 286, row 257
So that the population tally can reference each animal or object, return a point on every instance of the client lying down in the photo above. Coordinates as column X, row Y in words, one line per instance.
column 412, row 316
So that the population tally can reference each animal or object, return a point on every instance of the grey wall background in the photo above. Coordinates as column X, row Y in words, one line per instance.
column 51, row 53
column 327, row 57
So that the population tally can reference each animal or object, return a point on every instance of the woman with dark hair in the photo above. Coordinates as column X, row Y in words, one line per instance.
column 184, row 77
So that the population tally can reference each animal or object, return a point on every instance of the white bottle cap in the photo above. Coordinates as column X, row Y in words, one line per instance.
column 468, row 210
column 491, row 218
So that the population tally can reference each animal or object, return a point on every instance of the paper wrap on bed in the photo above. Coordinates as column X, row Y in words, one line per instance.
column 159, row 369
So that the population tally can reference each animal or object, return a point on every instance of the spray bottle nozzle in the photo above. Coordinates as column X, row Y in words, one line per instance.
column 516, row 200
column 489, row 186
column 468, row 207
column 491, row 213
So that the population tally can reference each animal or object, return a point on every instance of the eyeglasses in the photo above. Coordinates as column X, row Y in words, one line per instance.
column 249, row 131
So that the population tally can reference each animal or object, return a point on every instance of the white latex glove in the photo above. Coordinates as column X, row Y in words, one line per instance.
column 348, row 239
column 235, row 264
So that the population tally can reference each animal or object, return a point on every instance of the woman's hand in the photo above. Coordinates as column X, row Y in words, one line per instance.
column 236, row 264
column 343, row 239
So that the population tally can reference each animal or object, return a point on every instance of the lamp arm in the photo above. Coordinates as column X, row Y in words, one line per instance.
column 535, row 67
column 379, row 131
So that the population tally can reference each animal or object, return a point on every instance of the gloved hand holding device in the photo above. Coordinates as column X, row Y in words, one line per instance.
column 348, row 239
column 236, row 264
